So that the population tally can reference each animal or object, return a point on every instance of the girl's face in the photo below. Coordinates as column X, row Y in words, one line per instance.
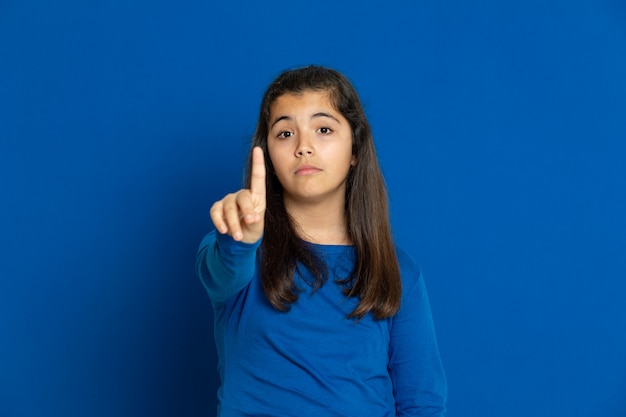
column 310, row 145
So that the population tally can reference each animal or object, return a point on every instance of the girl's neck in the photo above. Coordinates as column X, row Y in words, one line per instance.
column 322, row 224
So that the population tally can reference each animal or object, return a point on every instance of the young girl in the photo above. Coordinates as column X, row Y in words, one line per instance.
column 317, row 313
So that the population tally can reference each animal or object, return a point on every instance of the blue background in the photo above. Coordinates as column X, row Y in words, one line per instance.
column 501, row 129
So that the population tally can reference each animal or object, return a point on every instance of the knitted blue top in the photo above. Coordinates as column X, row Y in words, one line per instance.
column 312, row 360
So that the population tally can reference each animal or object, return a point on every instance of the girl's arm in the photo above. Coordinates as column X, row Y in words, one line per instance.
column 419, row 381
column 224, row 265
column 226, row 260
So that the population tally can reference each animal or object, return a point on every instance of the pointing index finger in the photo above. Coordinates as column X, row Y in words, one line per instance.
column 257, row 180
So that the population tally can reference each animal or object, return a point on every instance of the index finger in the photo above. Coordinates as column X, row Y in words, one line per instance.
column 257, row 177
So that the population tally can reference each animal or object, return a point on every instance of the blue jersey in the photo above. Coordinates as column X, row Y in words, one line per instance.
column 312, row 360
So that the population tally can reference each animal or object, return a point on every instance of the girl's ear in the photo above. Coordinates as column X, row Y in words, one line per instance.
column 353, row 161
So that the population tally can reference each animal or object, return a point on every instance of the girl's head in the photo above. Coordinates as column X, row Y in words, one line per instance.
column 343, row 98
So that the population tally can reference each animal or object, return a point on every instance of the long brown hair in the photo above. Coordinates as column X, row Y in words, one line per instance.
column 375, row 279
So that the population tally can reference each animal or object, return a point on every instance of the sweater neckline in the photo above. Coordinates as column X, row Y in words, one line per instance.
column 331, row 248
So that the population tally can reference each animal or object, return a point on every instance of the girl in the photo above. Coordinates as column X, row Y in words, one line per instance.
column 317, row 313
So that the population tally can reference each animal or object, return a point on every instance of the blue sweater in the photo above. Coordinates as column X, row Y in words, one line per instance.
column 312, row 360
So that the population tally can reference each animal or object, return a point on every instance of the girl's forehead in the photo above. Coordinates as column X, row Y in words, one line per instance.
column 307, row 99
column 304, row 94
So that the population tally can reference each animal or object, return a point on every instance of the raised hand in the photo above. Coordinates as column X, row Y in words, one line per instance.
column 241, row 214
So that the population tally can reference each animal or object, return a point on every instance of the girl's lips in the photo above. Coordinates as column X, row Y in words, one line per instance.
column 307, row 170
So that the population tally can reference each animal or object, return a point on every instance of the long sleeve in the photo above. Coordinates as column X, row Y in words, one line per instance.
column 224, row 265
column 419, row 381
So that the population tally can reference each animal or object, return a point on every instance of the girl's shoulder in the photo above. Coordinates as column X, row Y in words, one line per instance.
column 407, row 262
column 410, row 271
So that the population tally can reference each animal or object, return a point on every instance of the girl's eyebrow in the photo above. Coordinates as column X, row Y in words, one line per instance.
column 322, row 114
column 318, row 114
column 279, row 119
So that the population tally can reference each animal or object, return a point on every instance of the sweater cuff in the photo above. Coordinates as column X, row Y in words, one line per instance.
column 229, row 245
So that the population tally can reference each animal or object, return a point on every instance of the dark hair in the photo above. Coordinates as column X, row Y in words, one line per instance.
column 375, row 279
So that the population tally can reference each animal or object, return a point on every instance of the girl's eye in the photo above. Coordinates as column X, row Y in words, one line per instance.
column 325, row 130
column 284, row 134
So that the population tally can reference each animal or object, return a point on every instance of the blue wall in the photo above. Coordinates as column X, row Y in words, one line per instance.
column 501, row 129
